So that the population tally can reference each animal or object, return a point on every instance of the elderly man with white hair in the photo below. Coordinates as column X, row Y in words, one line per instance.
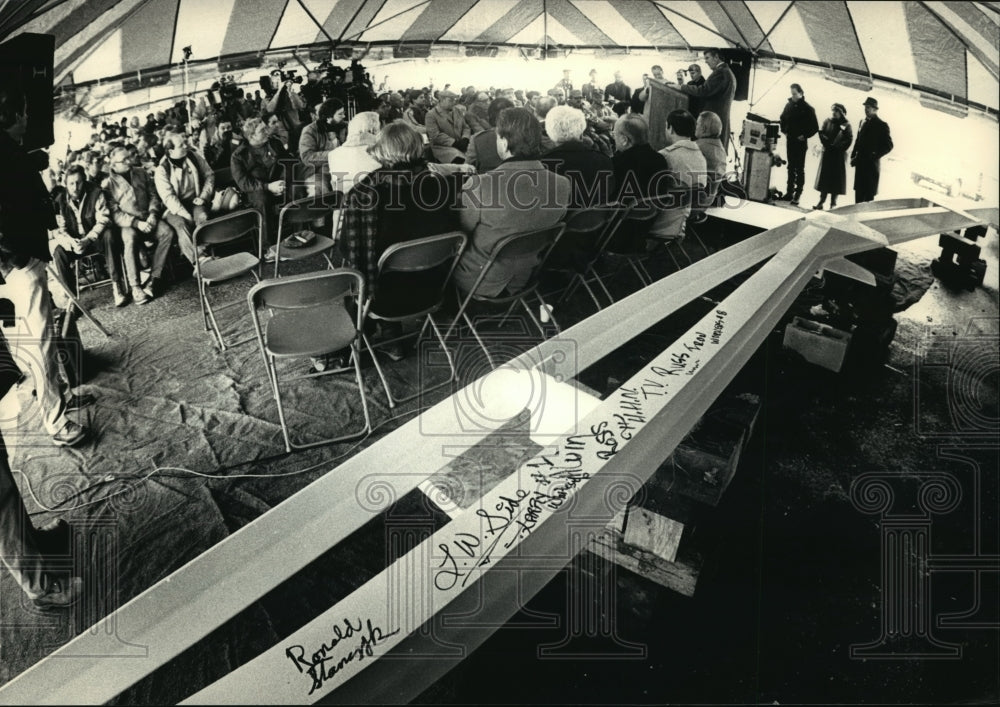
column 350, row 162
column 590, row 172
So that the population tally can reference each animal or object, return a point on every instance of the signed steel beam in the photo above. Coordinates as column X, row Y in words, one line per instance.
column 190, row 603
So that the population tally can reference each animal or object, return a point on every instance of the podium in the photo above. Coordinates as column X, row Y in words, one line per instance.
column 663, row 98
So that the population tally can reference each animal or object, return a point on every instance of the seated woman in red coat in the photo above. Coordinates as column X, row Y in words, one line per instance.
column 401, row 201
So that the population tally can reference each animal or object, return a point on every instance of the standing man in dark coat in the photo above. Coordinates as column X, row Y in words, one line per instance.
column 872, row 144
column 26, row 216
column 618, row 90
column 717, row 92
column 798, row 123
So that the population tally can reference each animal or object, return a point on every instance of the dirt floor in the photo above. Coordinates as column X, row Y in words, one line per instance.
column 793, row 572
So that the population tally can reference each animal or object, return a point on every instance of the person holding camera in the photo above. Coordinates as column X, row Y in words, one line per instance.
column 286, row 104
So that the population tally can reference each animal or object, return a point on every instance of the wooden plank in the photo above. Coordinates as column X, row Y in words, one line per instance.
column 681, row 575
column 652, row 532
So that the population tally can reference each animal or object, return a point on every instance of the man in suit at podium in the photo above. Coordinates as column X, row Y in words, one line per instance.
column 717, row 92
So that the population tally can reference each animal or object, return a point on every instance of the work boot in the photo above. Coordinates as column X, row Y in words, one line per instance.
column 70, row 436
column 154, row 288
column 60, row 595
column 139, row 295
column 121, row 298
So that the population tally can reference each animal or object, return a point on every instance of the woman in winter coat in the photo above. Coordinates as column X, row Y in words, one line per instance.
column 836, row 137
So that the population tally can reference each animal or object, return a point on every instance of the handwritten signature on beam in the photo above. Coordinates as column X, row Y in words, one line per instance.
column 320, row 666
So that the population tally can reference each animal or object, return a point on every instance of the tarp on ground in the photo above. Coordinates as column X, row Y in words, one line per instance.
column 945, row 48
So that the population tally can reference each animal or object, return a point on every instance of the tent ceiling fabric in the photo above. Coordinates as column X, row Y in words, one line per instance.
column 936, row 46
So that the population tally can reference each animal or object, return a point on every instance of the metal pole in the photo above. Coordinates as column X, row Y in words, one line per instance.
column 545, row 29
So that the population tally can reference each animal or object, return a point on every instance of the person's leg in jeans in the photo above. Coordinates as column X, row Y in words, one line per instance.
column 20, row 545
column 131, row 242
column 35, row 345
column 185, row 236
column 63, row 260
column 111, row 245
column 163, row 234
column 796, row 167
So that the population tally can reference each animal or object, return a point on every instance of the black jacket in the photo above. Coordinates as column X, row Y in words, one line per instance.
column 637, row 170
column 798, row 119
column 26, row 211
column 590, row 172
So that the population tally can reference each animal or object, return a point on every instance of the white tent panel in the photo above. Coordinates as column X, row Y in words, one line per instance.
column 766, row 12
column 790, row 37
column 201, row 24
column 483, row 16
column 534, row 33
column 295, row 27
column 393, row 20
column 695, row 35
column 96, row 30
column 610, row 21
column 884, row 39
column 982, row 86
column 105, row 60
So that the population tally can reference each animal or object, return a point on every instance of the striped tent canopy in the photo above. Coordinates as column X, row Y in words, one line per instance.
column 947, row 49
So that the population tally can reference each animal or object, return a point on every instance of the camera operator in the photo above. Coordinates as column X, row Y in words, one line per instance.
column 312, row 90
column 285, row 103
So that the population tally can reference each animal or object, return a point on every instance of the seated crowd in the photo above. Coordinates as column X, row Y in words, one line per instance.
column 490, row 163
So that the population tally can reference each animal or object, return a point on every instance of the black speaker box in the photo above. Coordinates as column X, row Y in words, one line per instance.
column 26, row 64
column 740, row 61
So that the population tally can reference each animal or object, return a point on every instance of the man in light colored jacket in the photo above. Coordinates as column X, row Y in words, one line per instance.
column 136, row 209
column 446, row 129
column 185, row 184
column 686, row 165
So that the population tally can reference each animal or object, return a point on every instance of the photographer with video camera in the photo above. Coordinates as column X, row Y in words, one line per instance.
column 283, row 101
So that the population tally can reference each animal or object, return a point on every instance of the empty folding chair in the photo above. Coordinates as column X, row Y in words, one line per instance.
column 225, row 231
column 310, row 316
column 411, row 283
column 532, row 247
column 302, row 215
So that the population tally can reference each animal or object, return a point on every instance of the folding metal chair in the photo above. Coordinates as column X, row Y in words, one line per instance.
column 679, row 199
column 703, row 199
column 412, row 282
column 309, row 318
column 303, row 213
column 580, row 247
column 221, row 231
column 94, row 266
column 626, row 243
column 520, row 247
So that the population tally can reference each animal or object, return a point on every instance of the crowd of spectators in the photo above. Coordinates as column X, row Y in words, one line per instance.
column 490, row 163
column 140, row 186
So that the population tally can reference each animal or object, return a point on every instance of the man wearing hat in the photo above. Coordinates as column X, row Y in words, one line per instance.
column 591, row 91
column 872, row 144
column 447, row 130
